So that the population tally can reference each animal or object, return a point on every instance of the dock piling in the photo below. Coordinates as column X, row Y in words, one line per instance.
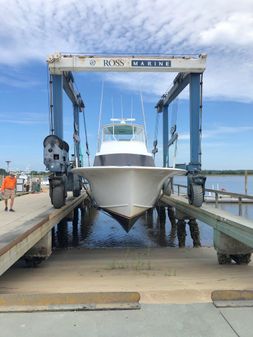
column 62, row 233
column 41, row 251
column 195, row 234
column 181, row 232
column 229, row 248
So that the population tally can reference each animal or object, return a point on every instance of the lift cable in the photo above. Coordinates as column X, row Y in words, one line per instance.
column 50, row 101
column 175, row 153
column 86, row 139
column 155, row 142
column 85, row 127
column 92, row 200
column 173, row 130
column 174, row 113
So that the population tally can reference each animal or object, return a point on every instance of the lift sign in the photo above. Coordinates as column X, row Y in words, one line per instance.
column 151, row 63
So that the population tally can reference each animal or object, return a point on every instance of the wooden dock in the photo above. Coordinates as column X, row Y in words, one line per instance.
column 29, row 228
column 33, row 219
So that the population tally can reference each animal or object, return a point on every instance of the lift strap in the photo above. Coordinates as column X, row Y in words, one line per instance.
column 86, row 139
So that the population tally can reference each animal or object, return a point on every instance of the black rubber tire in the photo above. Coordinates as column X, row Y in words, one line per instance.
column 58, row 196
column 33, row 262
column 76, row 193
column 224, row 259
column 242, row 258
column 196, row 197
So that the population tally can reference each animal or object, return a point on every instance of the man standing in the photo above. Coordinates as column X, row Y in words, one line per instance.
column 8, row 190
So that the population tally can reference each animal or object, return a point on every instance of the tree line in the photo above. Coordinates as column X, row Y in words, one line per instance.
column 227, row 172
column 3, row 172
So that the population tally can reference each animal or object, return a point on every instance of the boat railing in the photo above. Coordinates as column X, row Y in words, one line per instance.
column 217, row 196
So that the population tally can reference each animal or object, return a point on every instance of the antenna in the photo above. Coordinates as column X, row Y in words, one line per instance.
column 121, row 101
column 100, row 112
column 143, row 114
column 112, row 108
column 132, row 106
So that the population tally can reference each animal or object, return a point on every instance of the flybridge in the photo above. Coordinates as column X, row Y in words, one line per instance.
column 59, row 63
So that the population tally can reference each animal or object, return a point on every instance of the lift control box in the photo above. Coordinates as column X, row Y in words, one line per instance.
column 56, row 154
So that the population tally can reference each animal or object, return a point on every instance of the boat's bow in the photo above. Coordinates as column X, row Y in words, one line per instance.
column 126, row 190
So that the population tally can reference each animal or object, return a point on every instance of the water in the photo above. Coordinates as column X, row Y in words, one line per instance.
column 228, row 183
column 95, row 229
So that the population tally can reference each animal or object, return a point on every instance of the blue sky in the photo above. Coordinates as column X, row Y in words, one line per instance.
column 36, row 29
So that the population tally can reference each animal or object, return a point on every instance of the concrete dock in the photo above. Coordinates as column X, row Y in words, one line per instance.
column 164, row 320
column 175, row 287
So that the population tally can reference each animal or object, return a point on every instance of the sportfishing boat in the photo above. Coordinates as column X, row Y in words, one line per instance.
column 124, row 180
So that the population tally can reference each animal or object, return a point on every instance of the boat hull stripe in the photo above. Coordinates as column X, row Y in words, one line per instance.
column 124, row 159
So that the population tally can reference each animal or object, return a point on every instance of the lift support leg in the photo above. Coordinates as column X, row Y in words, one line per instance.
column 196, row 182
column 229, row 249
column 56, row 151
column 57, row 105
column 165, row 136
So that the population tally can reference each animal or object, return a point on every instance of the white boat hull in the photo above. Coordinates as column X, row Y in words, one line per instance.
column 126, row 190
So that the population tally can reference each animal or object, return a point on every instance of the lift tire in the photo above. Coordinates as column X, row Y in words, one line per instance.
column 223, row 258
column 33, row 262
column 58, row 196
column 242, row 258
column 76, row 193
column 196, row 197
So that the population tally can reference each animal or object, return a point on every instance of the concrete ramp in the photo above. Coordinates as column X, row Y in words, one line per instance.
column 69, row 301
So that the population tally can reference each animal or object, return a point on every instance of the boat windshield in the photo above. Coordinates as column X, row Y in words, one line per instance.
column 123, row 132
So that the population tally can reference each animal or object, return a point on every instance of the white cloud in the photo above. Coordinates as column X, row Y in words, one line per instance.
column 18, row 81
column 32, row 29
column 223, row 130
column 26, row 118
column 235, row 30
column 220, row 131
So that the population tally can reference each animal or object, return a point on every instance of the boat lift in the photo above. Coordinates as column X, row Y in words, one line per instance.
column 195, row 180
column 61, row 66
column 56, row 150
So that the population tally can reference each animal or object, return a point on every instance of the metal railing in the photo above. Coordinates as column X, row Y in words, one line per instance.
column 239, row 228
column 241, row 197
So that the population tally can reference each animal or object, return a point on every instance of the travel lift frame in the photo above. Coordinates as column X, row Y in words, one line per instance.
column 60, row 66
column 56, row 157
column 195, row 180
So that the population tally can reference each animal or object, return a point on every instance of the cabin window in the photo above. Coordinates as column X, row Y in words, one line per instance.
column 123, row 132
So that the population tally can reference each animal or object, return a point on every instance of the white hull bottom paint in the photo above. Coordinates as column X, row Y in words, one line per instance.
column 126, row 190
